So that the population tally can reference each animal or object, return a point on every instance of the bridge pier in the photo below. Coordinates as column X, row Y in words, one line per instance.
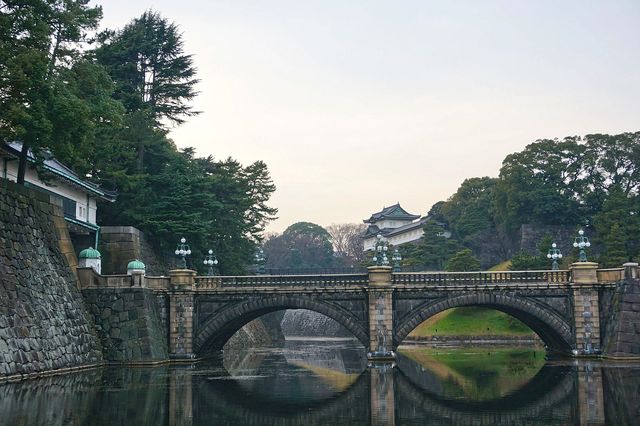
column 181, row 304
column 380, row 309
column 586, row 309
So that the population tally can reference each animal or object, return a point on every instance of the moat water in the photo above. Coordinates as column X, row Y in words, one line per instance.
column 329, row 383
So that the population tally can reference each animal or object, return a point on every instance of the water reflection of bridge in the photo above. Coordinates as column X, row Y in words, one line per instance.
column 571, row 393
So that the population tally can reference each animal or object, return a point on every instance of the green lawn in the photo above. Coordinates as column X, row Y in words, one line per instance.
column 471, row 321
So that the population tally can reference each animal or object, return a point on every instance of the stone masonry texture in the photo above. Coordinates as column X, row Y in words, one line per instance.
column 129, row 323
column 44, row 324
column 622, row 338
column 121, row 244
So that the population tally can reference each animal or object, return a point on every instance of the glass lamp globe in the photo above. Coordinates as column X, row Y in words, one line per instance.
column 215, row 262
column 210, row 251
column 177, row 252
column 575, row 244
column 555, row 256
column 210, row 262
column 588, row 244
column 548, row 256
column 553, row 245
column 375, row 259
column 581, row 232
column 559, row 255
column 183, row 240
column 188, row 251
column 205, row 262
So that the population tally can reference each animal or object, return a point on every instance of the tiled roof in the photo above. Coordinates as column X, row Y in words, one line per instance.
column 392, row 212
column 62, row 171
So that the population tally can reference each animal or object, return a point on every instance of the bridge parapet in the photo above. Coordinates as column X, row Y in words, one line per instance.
column 482, row 277
column 207, row 283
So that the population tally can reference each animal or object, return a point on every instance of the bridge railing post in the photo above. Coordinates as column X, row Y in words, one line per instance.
column 380, row 307
column 631, row 270
column 181, row 304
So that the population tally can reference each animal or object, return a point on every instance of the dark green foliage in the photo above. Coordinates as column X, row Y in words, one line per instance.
column 618, row 225
column 214, row 204
column 523, row 261
column 146, row 59
column 302, row 245
column 39, row 47
column 468, row 211
column 463, row 261
column 435, row 248
column 567, row 181
column 103, row 114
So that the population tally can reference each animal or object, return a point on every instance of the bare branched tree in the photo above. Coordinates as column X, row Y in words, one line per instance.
column 347, row 241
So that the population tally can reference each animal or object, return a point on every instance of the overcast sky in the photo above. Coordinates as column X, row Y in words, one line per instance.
column 355, row 105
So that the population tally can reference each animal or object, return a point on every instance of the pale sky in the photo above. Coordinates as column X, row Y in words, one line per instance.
column 356, row 105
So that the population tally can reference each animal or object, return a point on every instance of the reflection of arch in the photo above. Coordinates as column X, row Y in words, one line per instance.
column 229, row 403
column 552, row 388
column 552, row 328
column 215, row 332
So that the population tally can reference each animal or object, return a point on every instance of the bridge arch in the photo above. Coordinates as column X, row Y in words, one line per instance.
column 554, row 330
column 214, row 333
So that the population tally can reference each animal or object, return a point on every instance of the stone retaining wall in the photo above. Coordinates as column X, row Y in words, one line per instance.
column 129, row 323
column 622, row 337
column 44, row 324
column 121, row 244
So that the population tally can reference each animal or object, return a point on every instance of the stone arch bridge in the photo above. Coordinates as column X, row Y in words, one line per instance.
column 197, row 315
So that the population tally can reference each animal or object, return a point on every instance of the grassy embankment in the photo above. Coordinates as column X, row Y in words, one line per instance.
column 473, row 321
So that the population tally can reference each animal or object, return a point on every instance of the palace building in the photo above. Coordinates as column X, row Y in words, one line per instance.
column 76, row 196
column 396, row 225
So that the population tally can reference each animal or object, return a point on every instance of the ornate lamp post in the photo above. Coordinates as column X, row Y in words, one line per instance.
column 581, row 242
column 396, row 257
column 554, row 253
column 380, row 252
column 260, row 259
column 182, row 251
column 210, row 260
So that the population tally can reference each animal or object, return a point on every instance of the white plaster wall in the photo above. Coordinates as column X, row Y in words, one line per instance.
column 391, row 223
column 396, row 240
column 85, row 205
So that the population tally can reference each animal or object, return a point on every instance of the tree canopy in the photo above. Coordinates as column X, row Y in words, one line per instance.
column 303, row 245
column 103, row 108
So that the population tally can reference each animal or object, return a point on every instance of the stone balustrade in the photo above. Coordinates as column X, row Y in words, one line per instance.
column 281, row 281
column 483, row 277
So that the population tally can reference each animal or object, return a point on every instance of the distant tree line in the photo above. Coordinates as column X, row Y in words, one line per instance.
column 103, row 103
column 305, row 246
column 592, row 182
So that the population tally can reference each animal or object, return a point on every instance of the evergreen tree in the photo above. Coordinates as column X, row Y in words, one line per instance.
column 301, row 245
column 146, row 59
column 615, row 253
column 617, row 225
column 463, row 261
column 39, row 43
column 434, row 248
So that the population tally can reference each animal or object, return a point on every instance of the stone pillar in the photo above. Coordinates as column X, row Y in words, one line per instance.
column 181, row 301
column 380, row 313
column 631, row 270
column 586, row 308
column 383, row 410
column 590, row 395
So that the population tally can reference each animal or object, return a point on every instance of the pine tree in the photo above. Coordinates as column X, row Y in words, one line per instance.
column 463, row 261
